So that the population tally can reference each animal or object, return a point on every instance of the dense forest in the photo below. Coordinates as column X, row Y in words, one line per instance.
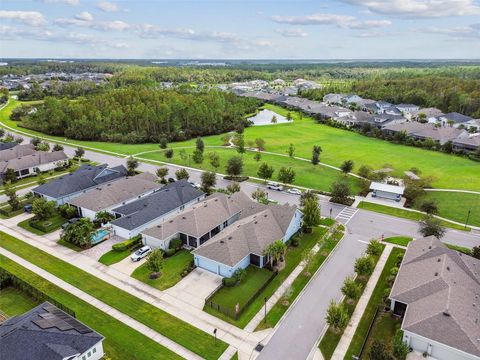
column 446, row 93
column 140, row 114
column 60, row 89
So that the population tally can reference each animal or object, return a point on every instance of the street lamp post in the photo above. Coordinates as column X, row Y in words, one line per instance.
column 468, row 217
column 215, row 334
column 265, row 310
column 331, row 213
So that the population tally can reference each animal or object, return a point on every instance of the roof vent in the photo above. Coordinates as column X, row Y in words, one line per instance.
column 446, row 313
column 255, row 222
column 448, row 268
column 222, row 242
column 265, row 215
column 230, row 238
column 436, row 274
column 170, row 221
column 159, row 226
column 183, row 217
column 438, row 260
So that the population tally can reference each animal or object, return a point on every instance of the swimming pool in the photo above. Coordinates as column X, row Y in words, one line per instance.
column 99, row 236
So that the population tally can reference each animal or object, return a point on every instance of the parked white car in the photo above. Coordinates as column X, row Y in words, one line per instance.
column 141, row 253
column 274, row 186
column 196, row 185
column 294, row 191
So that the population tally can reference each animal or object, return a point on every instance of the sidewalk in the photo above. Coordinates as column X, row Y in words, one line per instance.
column 347, row 336
column 127, row 320
column 239, row 338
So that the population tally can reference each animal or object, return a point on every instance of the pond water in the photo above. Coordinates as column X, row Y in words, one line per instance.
column 264, row 117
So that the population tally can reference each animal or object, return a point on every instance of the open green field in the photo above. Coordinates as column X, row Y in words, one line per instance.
column 455, row 205
column 121, row 341
column 338, row 145
column 406, row 214
column 173, row 266
column 15, row 302
column 175, row 329
column 398, row 240
column 375, row 300
column 307, row 175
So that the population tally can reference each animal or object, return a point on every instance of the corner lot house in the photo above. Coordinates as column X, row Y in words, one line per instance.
column 244, row 242
column 86, row 178
column 107, row 196
column 46, row 332
column 437, row 293
column 150, row 210
column 27, row 165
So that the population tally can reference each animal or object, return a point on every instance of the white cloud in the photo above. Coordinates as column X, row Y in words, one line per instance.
column 107, row 6
column 84, row 16
column 32, row 18
column 85, row 19
column 116, row 25
column 459, row 32
column 341, row 21
column 297, row 32
column 66, row 2
column 420, row 8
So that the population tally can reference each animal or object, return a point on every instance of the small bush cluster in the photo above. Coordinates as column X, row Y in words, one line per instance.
column 128, row 244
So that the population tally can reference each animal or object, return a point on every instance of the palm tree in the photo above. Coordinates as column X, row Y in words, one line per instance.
column 276, row 251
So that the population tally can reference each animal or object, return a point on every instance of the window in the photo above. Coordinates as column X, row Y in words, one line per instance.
column 94, row 350
column 84, row 357
column 89, row 354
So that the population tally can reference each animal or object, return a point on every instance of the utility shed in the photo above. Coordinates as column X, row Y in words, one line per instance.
column 386, row 191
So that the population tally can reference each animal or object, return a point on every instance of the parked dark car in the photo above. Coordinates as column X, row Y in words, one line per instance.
column 27, row 208
column 171, row 180
column 70, row 222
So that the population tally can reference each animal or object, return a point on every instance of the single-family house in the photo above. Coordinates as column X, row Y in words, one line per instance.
column 200, row 222
column 392, row 110
column 409, row 128
column 39, row 161
column 16, row 152
column 86, row 178
column 420, row 131
column 351, row 99
column 334, row 98
column 382, row 120
column 407, row 108
column 106, row 197
column 244, row 242
column 7, row 145
column 355, row 119
column 436, row 292
column 46, row 332
column 430, row 115
column 454, row 119
column 134, row 217
column 469, row 144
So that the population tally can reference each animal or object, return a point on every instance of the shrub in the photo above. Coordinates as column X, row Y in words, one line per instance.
column 67, row 211
column 400, row 348
column 364, row 265
column 229, row 282
column 127, row 244
column 175, row 244
column 375, row 248
column 240, row 274
column 351, row 289
column 169, row 252
column 337, row 316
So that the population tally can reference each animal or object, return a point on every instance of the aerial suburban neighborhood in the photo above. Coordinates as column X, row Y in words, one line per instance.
column 239, row 180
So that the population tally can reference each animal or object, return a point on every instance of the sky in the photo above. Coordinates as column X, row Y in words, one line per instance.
column 240, row 29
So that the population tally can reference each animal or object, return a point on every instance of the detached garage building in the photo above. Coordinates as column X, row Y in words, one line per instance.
column 437, row 292
column 386, row 191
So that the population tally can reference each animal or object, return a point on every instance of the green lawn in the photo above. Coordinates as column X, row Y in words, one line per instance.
column 307, row 175
column 375, row 300
column 455, row 206
column 121, row 341
column 15, row 302
column 331, row 338
column 383, row 329
column 327, row 221
column 53, row 223
column 282, row 305
column 228, row 297
column 113, row 256
column 398, row 240
column 293, row 258
column 160, row 321
column 69, row 245
column 406, row 214
column 172, row 268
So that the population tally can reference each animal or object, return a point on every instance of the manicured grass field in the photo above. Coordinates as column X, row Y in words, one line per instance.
column 375, row 300
column 455, row 205
column 293, row 258
column 307, row 175
column 170, row 273
column 15, row 302
column 175, row 329
column 113, row 256
column 406, row 214
column 121, row 341
column 282, row 305
column 56, row 222
column 398, row 240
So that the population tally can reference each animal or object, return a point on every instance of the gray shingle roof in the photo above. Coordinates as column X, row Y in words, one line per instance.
column 148, row 208
column 116, row 192
column 86, row 177
column 7, row 145
column 441, row 288
column 249, row 235
column 457, row 117
column 28, row 161
column 17, row 151
column 22, row 337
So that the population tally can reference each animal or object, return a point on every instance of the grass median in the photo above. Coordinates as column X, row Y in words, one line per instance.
column 121, row 341
column 173, row 328
column 406, row 214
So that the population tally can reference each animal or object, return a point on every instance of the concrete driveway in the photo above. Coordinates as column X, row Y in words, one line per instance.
column 127, row 266
column 196, row 287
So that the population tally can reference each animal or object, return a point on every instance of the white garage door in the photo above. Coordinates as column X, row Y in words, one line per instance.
column 207, row 265
column 418, row 344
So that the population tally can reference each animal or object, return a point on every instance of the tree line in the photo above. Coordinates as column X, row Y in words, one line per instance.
column 140, row 114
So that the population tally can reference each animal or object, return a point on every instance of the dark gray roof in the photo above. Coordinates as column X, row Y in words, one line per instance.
column 45, row 332
column 457, row 117
column 440, row 287
column 16, row 152
column 7, row 145
column 161, row 202
column 86, row 177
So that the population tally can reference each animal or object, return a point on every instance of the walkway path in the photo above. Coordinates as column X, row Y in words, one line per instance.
column 347, row 336
column 175, row 306
column 127, row 320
